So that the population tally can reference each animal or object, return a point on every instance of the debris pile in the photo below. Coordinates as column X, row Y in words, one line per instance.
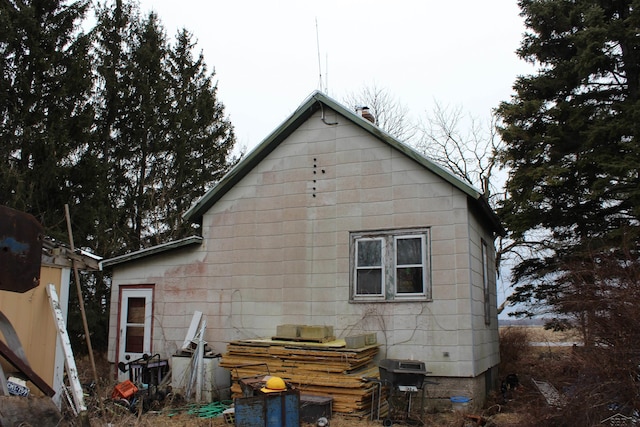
column 314, row 367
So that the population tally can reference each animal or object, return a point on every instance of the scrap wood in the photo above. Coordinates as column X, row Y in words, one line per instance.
column 303, row 377
column 301, row 339
column 282, row 350
column 339, row 344
column 300, row 373
column 231, row 362
column 325, row 369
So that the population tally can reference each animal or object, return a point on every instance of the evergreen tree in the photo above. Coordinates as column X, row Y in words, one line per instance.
column 103, row 167
column 571, row 134
column 119, row 124
column 201, row 137
column 144, row 129
column 45, row 114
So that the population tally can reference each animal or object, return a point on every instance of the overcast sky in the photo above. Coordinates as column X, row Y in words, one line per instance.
column 266, row 57
column 460, row 54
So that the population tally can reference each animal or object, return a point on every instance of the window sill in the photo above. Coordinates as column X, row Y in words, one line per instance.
column 388, row 301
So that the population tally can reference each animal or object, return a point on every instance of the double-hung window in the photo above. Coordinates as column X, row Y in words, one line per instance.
column 390, row 265
column 370, row 272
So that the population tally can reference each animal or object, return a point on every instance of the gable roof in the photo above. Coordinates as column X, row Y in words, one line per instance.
column 318, row 101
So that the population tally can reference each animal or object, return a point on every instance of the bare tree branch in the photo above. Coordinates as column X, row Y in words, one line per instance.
column 391, row 115
column 468, row 155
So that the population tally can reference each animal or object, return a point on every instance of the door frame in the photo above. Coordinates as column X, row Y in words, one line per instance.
column 145, row 290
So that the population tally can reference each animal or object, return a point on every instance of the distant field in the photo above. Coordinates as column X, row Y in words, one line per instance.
column 537, row 334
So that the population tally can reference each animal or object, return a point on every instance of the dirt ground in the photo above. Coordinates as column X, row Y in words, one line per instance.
column 522, row 406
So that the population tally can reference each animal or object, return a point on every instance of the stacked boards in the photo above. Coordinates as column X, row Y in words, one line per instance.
column 316, row 368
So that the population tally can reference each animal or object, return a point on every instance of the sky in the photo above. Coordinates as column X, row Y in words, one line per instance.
column 268, row 55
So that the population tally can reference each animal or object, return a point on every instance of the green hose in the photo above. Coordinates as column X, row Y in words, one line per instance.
column 209, row 410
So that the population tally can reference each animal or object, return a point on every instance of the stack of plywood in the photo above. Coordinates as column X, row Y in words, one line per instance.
column 324, row 369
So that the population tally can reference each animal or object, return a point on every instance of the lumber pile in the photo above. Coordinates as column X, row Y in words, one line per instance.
column 317, row 368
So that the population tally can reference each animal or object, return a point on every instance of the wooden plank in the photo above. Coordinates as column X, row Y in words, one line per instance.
column 317, row 369
column 17, row 363
column 307, row 339
column 70, row 362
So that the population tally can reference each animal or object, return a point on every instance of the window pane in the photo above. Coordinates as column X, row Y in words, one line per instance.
column 134, row 341
column 409, row 251
column 390, row 265
column 369, row 282
column 135, row 310
column 369, row 253
column 409, row 280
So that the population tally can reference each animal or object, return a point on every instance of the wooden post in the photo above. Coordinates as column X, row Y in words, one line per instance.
column 81, row 298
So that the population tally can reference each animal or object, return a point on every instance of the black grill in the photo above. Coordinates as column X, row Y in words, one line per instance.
column 397, row 373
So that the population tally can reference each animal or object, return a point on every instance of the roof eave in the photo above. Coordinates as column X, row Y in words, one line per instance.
column 154, row 250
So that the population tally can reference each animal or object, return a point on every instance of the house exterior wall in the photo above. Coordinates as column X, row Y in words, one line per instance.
column 486, row 336
column 179, row 290
column 276, row 251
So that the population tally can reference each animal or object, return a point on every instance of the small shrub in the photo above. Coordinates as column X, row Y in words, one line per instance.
column 514, row 342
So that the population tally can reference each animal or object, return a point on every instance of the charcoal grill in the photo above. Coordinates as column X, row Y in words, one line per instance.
column 405, row 378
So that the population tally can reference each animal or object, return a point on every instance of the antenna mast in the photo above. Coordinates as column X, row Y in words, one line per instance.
column 319, row 63
column 326, row 73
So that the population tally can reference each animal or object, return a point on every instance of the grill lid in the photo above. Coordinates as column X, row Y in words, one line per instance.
column 400, row 366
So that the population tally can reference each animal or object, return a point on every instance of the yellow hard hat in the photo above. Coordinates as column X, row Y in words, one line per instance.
column 274, row 385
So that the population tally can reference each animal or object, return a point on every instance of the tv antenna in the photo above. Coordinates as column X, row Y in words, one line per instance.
column 326, row 85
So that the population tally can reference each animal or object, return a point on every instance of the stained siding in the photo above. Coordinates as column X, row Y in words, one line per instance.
column 276, row 250
column 285, row 243
column 181, row 286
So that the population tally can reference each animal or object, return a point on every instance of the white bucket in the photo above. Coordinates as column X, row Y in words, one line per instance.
column 460, row 403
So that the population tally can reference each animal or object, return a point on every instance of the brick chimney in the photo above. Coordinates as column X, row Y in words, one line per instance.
column 365, row 114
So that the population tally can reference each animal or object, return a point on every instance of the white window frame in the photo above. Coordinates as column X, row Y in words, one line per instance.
column 357, row 268
column 389, row 240
column 423, row 264
column 485, row 283
column 127, row 292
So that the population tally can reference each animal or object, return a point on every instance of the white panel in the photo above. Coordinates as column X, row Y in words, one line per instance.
column 216, row 381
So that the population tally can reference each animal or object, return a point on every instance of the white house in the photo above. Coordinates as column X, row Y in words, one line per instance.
column 329, row 221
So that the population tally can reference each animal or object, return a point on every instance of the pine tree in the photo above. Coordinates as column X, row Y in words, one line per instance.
column 145, row 128
column 45, row 114
column 571, row 146
column 201, row 137
column 119, row 124
column 162, row 135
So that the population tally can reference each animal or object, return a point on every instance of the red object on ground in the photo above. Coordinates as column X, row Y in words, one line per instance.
column 124, row 390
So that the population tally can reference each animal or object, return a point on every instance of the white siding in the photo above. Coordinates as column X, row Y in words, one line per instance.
column 276, row 251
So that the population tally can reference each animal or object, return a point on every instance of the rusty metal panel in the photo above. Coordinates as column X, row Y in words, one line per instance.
column 268, row 410
column 20, row 250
